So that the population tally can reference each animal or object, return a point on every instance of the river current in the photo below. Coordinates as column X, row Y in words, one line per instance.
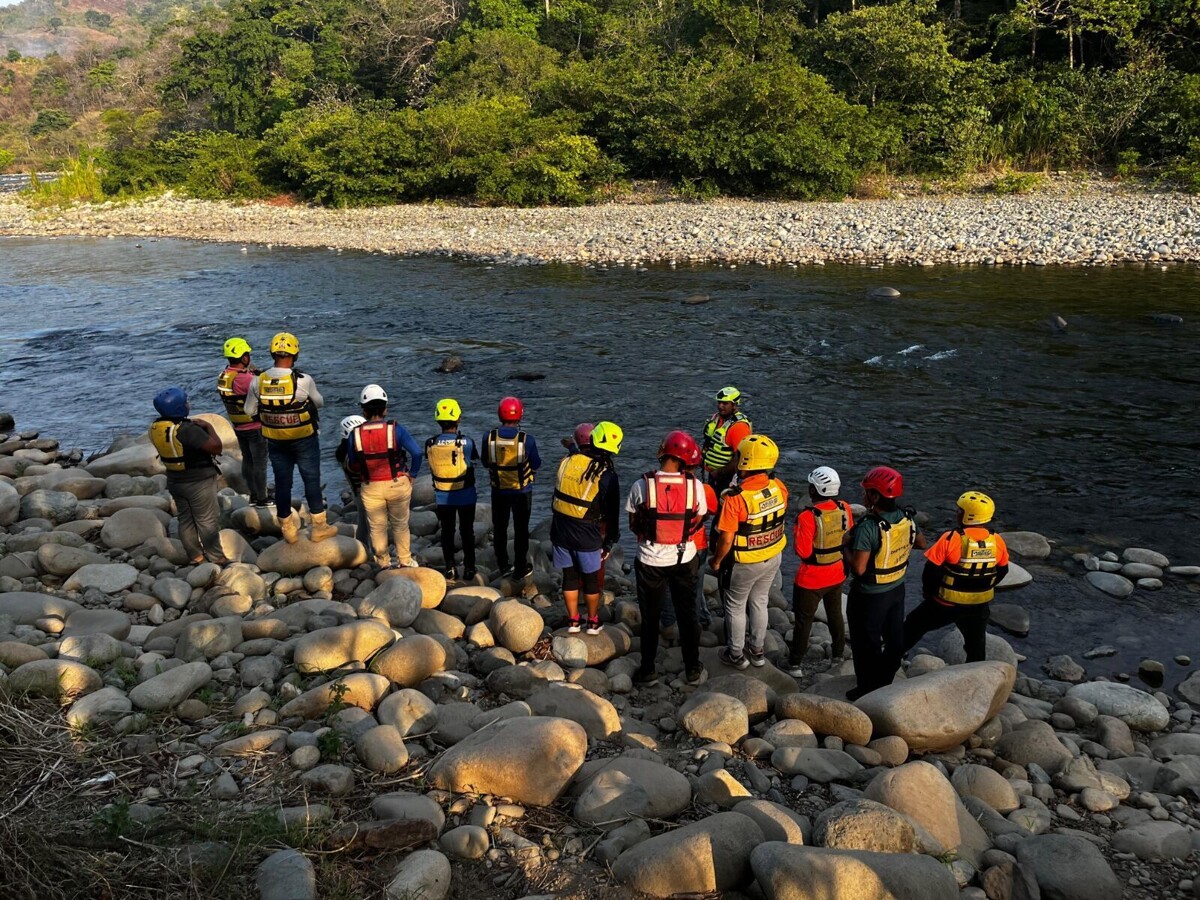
column 1088, row 435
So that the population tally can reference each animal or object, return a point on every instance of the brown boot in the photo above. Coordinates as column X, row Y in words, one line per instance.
column 290, row 527
column 321, row 529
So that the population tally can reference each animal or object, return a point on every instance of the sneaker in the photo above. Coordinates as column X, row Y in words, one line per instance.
column 260, row 504
column 573, row 625
column 522, row 572
column 758, row 658
column 695, row 676
column 645, row 679
column 505, row 570
column 469, row 574
column 728, row 659
column 594, row 626
column 795, row 670
column 411, row 564
column 450, row 574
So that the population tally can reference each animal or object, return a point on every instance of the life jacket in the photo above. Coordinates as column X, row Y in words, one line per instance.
column 283, row 417
column 578, row 486
column 235, row 404
column 972, row 579
column 890, row 562
column 507, row 463
column 830, row 526
column 449, row 464
column 375, row 451
column 762, row 536
column 670, row 514
column 164, row 435
column 716, row 452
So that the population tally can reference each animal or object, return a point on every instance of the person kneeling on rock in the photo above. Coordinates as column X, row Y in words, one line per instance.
column 962, row 569
column 187, row 448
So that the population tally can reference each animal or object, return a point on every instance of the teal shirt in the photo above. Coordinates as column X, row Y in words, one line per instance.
column 865, row 536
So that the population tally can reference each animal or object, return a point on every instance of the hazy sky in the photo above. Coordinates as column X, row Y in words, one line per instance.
column 9, row 2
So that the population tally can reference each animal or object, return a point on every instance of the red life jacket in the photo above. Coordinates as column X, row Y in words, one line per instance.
column 670, row 513
column 376, row 454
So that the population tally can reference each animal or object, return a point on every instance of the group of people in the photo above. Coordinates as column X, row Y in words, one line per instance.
column 712, row 506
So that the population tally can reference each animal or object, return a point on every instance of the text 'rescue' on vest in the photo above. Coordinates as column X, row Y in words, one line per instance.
column 578, row 486
column 507, row 462
column 448, row 463
column 164, row 435
column 890, row 561
column 717, row 453
column 971, row 580
column 375, row 452
column 830, row 527
column 283, row 417
column 761, row 536
column 235, row 404
column 670, row 513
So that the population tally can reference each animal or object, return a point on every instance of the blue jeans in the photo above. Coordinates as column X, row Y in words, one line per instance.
column 287, row 455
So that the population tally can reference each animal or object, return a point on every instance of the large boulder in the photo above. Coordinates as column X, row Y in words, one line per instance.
column 57, row 506
column 338, row 552
column 55, row 559
column 940, row 709
column 1137, row 709
column 105, row 705
column 430, row 582
column 129, row 528
column 172, row 687
column 515, row 626
column 138, row 459
column 410, row 660
column 789, row 872
column 601, row 648
column 408, row 711
column 921, row 792
column 629, row 787
column 328, row 649
column 598, row 717
column 363, row 690
column 58, row 679
column 107, row 577
column 1068, row 868
column 712, row 855
column 756, row 696
column 715, row 717
column 985, row 784
column 1028, row 544
column 98, row 621
column 396, row 602
column 25, row 608
column 952, row 649
column 825, row 715
column 1033, row 742
column 865, row 825
column 529, row 759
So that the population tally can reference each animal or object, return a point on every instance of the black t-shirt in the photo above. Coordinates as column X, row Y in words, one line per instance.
column 201, row 464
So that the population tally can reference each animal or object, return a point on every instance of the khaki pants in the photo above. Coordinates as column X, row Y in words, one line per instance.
column 386, row 505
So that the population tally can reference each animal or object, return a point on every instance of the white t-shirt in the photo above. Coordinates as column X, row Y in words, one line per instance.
column 651, row 553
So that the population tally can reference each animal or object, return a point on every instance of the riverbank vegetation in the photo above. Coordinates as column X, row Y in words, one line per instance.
column 527, row 102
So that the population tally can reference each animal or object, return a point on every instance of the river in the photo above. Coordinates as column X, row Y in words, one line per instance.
column 1089, row 436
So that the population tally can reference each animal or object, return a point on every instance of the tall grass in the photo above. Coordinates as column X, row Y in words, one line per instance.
column 78, row 183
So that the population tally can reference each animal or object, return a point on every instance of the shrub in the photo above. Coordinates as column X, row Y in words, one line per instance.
column 1018, row 183
column 50, row 120
column 214, row 165
column 78, row 183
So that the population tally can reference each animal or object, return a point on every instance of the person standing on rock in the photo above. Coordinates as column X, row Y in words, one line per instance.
column 820, row 532
column 512, row 460
column 362, row 530
column 665, row 510
column 286, row 402
column 388, row 460
column 451, row 456
column 959, row 580
column 876, row 552
column 233, row 384
column 187, row 448
column 752, row 526
column 722, row 434
column 586, row 492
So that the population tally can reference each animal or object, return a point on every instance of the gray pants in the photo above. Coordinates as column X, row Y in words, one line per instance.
column 199, row 531
column 747, row 596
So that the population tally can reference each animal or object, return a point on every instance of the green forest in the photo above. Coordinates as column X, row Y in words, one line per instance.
column 528, row 102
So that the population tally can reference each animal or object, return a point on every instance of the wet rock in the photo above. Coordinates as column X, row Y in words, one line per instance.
column 1026, row 544
column 885, row 293
column 362, row 690
column 788, row 872
column 1016, row 577
column 171, row 687
column 864, row 825
column 714, row 717
column 58, row 679
column 1189, row 689
column 338, row 552
column 1152, row 672
column 1012, row 618
column 1063, row 668
column 1110, row 583
column 1068, row 868
column 410, row 660
column 450, row 365
column 710, row 855
column 1137, row 709
column 396, row 602
column 332, row 648
column 1145, row 557
column 286, row 875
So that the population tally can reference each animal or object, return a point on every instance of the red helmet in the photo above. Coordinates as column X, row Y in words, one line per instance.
column 885, row 481
column 583, row 434
column 682, row 446
column 511, row 410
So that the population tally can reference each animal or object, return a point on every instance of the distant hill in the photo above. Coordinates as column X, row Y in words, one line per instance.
column 39, row 28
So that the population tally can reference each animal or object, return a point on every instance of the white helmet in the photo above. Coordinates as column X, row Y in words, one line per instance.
column 372, row 392
column 826, row 481
column 349, row 424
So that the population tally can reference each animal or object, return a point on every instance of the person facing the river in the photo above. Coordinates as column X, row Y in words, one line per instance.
column 959, row 580
column 722, row 434
column 387, row 460
column 876, row 552
column 586, row 492
column 820, row 531
column 751, row 525
column 286, row 401
column 700, row 542
column 233, row 384
column 187, row 448
column 512, row 460
column 581, row 436
column 353, row 479
column 451, row 456
column 665, row 509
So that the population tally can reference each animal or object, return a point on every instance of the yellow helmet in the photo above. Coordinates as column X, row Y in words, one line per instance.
column 757, row 453
column 236, row 348
column 608, row 436
column 728, row 395
column 977, row 508
column 447, row 410
column 285, row 344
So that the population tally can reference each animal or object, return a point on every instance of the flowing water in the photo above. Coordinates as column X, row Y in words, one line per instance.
column 1088, row 435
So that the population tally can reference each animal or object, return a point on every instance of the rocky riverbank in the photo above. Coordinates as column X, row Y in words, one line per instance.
column 1094, row 223
column 299, row 725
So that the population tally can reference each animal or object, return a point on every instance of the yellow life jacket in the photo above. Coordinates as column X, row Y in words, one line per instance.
column 829, row 534
column 507, row 463
column 763, row 534
column 716, row 452
column 578, row 486
column 972, row 579
column 890, row 562
column 235, row 404
column 283, row 417
column 449, row 464
column 164, row 435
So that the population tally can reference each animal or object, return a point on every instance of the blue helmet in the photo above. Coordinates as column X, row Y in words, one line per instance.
column 172, row 403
